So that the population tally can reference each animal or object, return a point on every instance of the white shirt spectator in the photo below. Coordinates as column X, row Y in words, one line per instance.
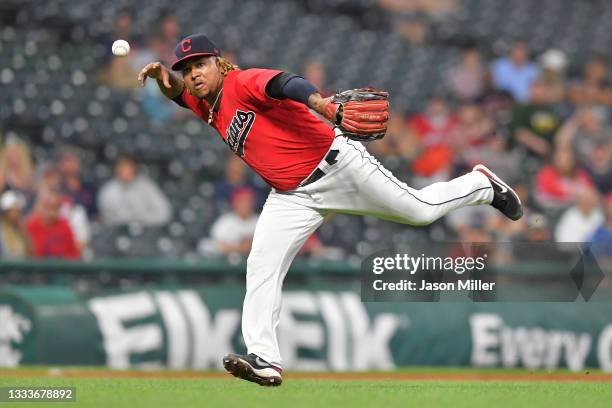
column 576, row 226
column 77, row 217
column 232, row 233
column 139, row 201
column 231, row 229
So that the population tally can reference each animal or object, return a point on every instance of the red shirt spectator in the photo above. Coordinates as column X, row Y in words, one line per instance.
column 52, row 240
column 51, row 235
column 433, row 128
column 435, row 124
column 559, row 183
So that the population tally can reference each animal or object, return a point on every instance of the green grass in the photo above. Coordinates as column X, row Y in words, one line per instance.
column 134, row 392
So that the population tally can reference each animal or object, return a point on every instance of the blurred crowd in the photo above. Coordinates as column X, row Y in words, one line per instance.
column 546, row 132
column 540, row 121
column 47, row 211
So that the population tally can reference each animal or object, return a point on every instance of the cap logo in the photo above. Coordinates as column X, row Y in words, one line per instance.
column 186, row 44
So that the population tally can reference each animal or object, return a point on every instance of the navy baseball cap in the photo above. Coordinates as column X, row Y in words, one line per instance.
column 196, row 45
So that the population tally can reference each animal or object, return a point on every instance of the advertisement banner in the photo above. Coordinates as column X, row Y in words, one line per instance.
column 320, row 330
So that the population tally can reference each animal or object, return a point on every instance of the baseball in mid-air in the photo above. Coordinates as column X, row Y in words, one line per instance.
column 121, row 48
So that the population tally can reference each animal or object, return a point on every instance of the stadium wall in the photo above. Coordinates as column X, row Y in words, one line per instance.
column 185, row 327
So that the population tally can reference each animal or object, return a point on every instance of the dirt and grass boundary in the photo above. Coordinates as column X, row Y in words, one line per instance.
column 412, row 374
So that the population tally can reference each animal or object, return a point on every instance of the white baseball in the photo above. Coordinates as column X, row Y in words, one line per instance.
column 121, row 48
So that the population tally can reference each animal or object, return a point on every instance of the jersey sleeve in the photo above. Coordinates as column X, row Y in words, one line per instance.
column 251, row 86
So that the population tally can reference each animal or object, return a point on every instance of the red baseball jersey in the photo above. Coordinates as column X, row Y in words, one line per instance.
column 281, row 140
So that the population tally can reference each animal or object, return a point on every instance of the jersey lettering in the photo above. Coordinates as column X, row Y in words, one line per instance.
column 238, row 130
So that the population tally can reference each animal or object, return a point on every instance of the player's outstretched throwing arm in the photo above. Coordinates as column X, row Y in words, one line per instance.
column 361, row 114
column 169, row 84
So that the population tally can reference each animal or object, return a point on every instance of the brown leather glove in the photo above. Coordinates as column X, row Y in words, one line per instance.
column 361, row 114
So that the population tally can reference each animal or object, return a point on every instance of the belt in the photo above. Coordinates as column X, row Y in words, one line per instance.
column 330, row 158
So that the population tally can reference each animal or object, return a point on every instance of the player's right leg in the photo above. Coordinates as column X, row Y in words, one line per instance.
column 283, row 226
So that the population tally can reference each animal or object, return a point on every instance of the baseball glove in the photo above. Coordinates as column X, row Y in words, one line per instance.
column 361, row 114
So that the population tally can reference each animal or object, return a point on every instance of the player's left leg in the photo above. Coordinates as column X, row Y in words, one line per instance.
column 359, row 184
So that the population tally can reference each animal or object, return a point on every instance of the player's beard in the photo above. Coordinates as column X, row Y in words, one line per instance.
column 211, row 95
column 202, row 93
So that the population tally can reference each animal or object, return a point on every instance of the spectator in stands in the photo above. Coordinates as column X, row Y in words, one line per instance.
column 474, row 224
column 492, row 152
column 16, row 168
column 535, row 123
column 471, row 134
column 398, row 142
column 515, row 73
column 602, row 237
column 232, row 232
column 498, row 106
column 314, row 71
column 582, row 131
column 467, row 80
column 132, row 197
column 14, row 240
column 578, row 222
column 559, row 183
column 73, row 212
column 410, row 18
column 435, row 123
column 72, row 183
column 473, row 127
column 411, row 26
column 433, row 128
column 237, row 175
column 593, row 88
column 169, row 35
column 155, row 105
column 599, row 166
column 553, row 63
column 122, row 31
column 120, row 73
column 50, row 233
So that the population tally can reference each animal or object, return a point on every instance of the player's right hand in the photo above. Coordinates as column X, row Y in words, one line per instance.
column 155, row 70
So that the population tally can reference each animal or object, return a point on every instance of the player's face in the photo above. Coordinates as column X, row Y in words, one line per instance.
column 201, row 76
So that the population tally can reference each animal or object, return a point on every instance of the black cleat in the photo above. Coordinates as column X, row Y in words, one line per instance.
column 253, row 368
column 505, row 199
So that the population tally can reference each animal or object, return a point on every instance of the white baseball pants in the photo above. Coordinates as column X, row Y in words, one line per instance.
column 357, row 184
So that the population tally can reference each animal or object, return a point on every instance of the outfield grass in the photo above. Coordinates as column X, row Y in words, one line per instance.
column 221, row 392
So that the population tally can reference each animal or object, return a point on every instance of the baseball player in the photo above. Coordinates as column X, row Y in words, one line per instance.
column 263, row 116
